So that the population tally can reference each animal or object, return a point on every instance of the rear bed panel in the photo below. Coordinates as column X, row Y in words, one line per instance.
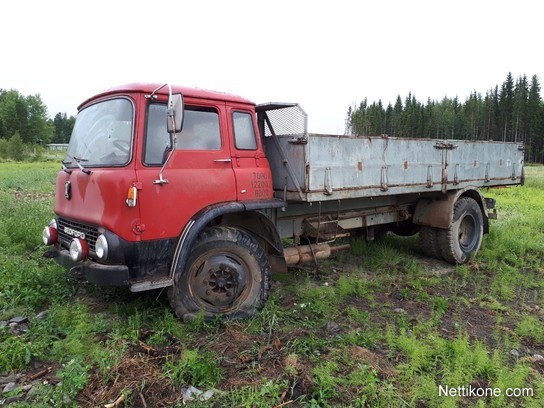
column 328, row 167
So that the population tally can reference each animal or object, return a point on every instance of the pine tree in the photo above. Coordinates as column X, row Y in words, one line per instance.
column 519, row 114
column 535, row 122
column 506, row 106
column 396, row 119
column 57, row 124
column 389, row 120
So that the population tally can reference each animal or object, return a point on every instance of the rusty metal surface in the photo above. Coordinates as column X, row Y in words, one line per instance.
column 306, row 253
column 328, row 167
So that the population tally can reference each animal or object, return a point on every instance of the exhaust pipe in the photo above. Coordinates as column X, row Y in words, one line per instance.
column 309, row 253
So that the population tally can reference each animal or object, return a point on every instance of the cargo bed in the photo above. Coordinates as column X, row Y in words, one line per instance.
column 316, row 167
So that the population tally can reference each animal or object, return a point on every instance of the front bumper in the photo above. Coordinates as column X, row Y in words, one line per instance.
column 126, row 262
column 99, row 274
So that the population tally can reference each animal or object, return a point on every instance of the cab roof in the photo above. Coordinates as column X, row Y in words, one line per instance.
column 148, row 88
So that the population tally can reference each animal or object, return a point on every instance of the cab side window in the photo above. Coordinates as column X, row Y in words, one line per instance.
column 200, row 132
column 244, row 132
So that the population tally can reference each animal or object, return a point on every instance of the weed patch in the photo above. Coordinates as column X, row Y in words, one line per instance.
column 195, row 367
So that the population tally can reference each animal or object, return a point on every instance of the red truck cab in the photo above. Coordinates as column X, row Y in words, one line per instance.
column 129, row 207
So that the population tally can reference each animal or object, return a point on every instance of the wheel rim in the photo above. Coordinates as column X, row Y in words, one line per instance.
column 219, row 282
column 467, row 233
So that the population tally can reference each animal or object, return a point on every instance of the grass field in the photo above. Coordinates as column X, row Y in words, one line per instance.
column 378, row 325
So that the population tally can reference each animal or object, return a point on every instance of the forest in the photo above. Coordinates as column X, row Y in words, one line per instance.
column 27, row 116
column 511, row 112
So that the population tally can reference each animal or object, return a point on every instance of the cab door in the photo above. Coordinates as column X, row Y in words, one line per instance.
column 199, row 172
column 251, row 168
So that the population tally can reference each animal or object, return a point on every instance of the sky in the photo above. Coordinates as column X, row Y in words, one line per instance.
column 325, row 55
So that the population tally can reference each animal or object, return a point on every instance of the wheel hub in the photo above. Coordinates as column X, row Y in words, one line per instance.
column 220, row 281
column 467, row 232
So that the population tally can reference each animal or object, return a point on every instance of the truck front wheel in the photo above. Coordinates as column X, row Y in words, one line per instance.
column 464, row 237
column 227, row 275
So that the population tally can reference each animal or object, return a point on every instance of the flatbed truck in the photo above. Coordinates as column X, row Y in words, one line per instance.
column 198, row 191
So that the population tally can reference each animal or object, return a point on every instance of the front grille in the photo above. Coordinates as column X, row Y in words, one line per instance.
column 65, row 228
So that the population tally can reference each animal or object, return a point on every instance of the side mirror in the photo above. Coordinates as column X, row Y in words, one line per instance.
column 175, row 113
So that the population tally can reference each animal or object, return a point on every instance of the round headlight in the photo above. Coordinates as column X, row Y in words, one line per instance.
column 78, row 249
column 101, row 247
column 50, row 235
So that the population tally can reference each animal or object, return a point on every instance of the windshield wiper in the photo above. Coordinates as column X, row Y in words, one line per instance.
column 78, row 161
column 64, row 168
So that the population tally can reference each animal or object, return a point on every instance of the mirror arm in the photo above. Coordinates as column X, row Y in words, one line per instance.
column 173, row 144
column 173, row 106
column 152, row 94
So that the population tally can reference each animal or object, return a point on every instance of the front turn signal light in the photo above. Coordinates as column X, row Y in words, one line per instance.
column 132, row 196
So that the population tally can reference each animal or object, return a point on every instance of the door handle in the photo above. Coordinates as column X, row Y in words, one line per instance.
column 222, row 160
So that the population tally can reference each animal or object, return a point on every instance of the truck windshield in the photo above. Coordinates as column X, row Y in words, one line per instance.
column 102, row 135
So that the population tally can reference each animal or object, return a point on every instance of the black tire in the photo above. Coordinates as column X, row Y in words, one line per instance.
column 428, row 239
column 227, row 274
column 463, row 238
column 405, row 229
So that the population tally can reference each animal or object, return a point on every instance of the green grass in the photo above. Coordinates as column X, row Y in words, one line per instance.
column 375, row 326
column 200, row 369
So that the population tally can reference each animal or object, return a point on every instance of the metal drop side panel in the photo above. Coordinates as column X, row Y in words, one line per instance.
column 327, row 167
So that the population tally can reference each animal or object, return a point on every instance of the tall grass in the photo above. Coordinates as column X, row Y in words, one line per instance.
column 375, row 327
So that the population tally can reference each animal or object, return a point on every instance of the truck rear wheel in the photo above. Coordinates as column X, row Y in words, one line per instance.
column 464, row 237
column 405, row 229
column 428, row 237
column 227, row 275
